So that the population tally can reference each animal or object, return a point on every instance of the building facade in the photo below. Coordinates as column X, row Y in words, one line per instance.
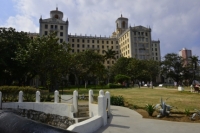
column 127, row 41
column 185, row 54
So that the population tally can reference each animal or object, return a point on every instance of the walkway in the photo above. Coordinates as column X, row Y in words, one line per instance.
column 124, row 120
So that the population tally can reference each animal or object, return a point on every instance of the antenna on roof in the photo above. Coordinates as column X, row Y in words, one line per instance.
column 56, row 7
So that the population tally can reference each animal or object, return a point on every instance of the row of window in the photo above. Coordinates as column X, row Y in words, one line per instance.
column 140, row 33
column 93, row 41
column 141, row 45
column 155, row 54
column 123, row 43
column 46, row 26
column 154, row 45
column 60, row 33
column 124, row 48
column 140, row 39
column 91, row 46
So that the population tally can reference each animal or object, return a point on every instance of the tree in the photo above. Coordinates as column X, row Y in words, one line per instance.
column 46, row 58
column 87, row 65
column 173, row 67
column 11, row 42
column 109, row 55
column 121, row 78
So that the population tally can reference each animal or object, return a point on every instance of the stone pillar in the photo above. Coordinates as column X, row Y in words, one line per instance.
column 56, row 96
column 108, row 101
column 102, row 107
column 75, row 101
column 20, row 100
column 90, row 101
column 90, row 96
column 0, row 100
column 37, row 97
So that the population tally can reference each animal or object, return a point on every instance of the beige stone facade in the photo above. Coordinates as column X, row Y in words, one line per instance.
column 127, row 41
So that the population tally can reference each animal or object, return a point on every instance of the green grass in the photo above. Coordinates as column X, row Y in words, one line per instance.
column 141, row 96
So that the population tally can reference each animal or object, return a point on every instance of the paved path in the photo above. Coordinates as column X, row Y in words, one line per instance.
column 124, row 120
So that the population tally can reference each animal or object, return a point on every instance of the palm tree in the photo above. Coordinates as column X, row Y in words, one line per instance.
column 109, row 54
column 194, row 61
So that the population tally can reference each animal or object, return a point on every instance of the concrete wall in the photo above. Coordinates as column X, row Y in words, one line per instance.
column 61, row 109
column 87, row 126
column 93, row 110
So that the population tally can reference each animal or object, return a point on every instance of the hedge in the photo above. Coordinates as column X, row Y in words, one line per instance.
column 11, row 93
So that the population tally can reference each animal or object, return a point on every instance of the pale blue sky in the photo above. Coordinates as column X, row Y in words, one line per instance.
column 176, row 23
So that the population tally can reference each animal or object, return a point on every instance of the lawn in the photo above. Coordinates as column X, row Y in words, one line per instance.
column 139, row 97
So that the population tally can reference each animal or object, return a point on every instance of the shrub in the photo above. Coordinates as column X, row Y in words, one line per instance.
column 121, row 78
column 150, row 108
column 117, row 100
column 187, row 112
column 10, row 93
column 110, row 85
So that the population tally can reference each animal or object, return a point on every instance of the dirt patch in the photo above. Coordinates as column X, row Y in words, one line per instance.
column 173, row 117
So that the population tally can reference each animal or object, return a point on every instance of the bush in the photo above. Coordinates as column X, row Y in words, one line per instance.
column 11, row 93
column 117, row 100
column 121, row 78
column 187, row 112
column 110, row 85
column 150, row 108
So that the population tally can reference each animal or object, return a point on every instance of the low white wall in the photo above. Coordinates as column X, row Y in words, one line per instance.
column 87, row 126
column 61, row 109
column 93, row 109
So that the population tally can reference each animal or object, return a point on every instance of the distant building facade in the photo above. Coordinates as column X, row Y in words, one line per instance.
column 185, row 54
column 127, row 41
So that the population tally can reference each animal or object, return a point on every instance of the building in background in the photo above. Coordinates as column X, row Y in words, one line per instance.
column 127, row 41
column 185, row 54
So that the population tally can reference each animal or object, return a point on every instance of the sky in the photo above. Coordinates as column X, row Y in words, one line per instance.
column 176, row 23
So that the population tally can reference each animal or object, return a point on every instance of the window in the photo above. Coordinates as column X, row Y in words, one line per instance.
column 72, row 45
column 92, row 41
column 146, row 34
column 155, row 45
column 72, row 50
column 134, row 33
column 83, row 40
column 51, row 26
column 97, row 41
column 107, row 47
column 111, row 47
column 112, row 62
column 117, row 57
column 88, row 41
column 102, row 42
column 46, row 26
column 83, row 45
column 78, row 50
column 97, row 46
column 123, row 24
column 92, row 46
column 102, row 47
column 72, row 40
column 78, row 45
column 77, row 40
column 46, row 33
column 155, row 49
column 88, row 46
column 116, row 47
column 83, row 50
column 108, row 62
column 116, row 42
column 61, row 33
column 61, row 27
column 61, row 40
column 55, row 26
column 156, row 54
column 146, row 39
column 107, row 42
column 111, row 42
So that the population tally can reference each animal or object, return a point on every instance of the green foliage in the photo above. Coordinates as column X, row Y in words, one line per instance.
column 121, row 78
column 47, row 98
column 110, row 85
column 187, row 112
column 150, row 108
column 117, row 100
column 10, row 93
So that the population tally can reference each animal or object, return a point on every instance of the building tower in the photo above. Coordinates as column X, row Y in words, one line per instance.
column 55, row 24
column 186, row 54
column 121, row 24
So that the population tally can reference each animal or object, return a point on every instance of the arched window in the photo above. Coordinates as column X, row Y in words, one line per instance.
column 123, row 24
column 56, row 16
